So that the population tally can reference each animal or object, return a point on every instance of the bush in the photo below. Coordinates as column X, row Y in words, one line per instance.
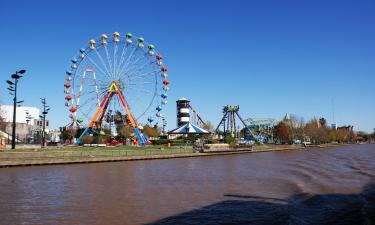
column 89, row 140
column 213, row 141
column 166, row 141
column 230, row 140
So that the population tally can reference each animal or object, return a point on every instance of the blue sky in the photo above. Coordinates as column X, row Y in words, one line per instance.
column 269, row 57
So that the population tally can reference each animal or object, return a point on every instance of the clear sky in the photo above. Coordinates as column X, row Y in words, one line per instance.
column 269, row 57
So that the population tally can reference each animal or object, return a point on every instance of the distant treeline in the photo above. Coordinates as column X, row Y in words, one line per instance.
column 294, row 128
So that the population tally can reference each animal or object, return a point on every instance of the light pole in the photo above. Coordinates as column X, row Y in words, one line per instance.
column 164, row 125
column 28, row 119
column 46, row 108
column 13, row 91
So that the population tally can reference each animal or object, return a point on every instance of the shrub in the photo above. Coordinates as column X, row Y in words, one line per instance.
column 166, row 141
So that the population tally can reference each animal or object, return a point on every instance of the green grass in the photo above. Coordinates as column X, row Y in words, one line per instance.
column 84, row 152
column 108, row 148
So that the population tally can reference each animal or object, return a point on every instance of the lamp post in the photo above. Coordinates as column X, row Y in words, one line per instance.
column 28, row 119
column 13, row 91
column 164, row 125
column 46, row 108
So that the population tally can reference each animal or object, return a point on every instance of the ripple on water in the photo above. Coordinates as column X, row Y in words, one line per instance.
column 317, row 186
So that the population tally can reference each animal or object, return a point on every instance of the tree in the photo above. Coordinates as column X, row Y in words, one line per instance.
column 296, row 126
column 345, row 134
column 208, row 126
column 150, row 131
column 125, row 130
column 3, row 124
column 362, row 136
column 282, row 132
column 318, row 134
column 332, row 135
column 322, row 122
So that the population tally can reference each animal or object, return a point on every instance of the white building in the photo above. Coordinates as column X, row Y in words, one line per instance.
column 21, row 113
column 26, row 131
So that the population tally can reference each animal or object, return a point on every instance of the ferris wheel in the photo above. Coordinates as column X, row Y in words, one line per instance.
column 116, row 73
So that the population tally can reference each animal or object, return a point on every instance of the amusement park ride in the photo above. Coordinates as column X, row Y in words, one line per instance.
column 263, row 128
column 229, row 124
column 195, row 118
column 256, row 129
column 117, row 74
column 122, row 76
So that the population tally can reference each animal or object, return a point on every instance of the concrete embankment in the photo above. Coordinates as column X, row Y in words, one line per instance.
column 51, row 157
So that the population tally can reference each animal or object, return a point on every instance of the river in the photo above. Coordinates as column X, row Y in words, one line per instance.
column 315, row 186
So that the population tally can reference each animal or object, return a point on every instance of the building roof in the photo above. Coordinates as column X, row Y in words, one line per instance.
column 189, row 128
column 183, row 99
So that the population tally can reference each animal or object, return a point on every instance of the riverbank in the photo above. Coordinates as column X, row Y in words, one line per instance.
column 94, row 155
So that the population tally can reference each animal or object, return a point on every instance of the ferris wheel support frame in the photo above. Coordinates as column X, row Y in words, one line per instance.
column 96, row 120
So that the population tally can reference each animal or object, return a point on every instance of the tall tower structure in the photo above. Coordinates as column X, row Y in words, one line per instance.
column 334, row 124
column 183, row 111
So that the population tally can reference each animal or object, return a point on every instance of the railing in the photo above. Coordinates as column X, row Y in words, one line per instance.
column 90, row 153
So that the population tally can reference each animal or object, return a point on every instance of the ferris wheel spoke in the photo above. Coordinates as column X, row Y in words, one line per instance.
column 141, row 83
column 145, row 65
column 152, row 92
column 134, row 105
column 86, row 116
column 89, row 86
column 136, row 77
column 142, row 86
column 133, row 68
column 128, row 59
column 88, row 110
column 137, row 73
column 131, row 59
column 89, row 93
column 123, row 55
column 147, row 108
column 115, row 59
column 86, row 113
column 86, row 104
column 103, row 85
column 108, row 73
column 86, row 101
column 134, row 62
column 109, row 60
column 141, row 90
column 122, row 61
column 144, row 75
column 97, row 66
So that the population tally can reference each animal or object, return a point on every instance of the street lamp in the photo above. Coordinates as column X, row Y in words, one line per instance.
column 46, row 108
column 29, row 128
column 164, row 125
column 13, row 91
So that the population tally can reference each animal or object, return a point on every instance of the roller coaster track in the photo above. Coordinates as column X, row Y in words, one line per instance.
column 195, row 118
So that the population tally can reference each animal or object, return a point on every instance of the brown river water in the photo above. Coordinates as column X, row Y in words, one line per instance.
column 316, row 186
